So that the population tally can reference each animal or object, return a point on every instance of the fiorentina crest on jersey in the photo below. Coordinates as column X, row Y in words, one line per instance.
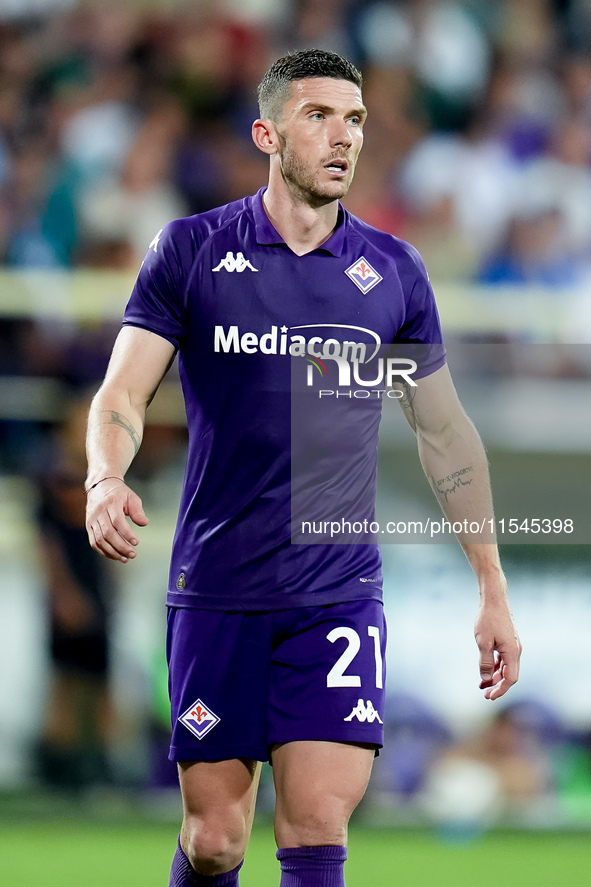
column 199, row 719
column 363, row 275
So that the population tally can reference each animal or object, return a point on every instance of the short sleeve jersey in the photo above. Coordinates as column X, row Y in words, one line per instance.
column 239, row 305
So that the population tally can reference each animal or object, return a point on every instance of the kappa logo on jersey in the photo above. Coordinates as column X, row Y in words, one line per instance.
column 364, row 711
column 363, row 275
column 239, row 263
column 199, row 719
column 156, row 241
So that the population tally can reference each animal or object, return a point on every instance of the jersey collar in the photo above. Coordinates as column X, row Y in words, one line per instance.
column 267, row 235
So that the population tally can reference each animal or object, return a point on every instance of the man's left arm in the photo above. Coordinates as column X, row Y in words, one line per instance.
column 454, row 460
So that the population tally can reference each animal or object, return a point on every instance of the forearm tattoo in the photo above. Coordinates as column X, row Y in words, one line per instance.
column 116, row 418
column 452, row 482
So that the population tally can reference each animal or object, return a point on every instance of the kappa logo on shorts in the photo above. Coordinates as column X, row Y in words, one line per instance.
column 364, row 711
column 199, row 719
column 234, row 264
column 363, row 275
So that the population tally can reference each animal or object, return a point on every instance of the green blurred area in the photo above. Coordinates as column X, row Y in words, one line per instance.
column 117, row 856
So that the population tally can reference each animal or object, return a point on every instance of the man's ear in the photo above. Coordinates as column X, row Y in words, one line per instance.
column 265, row 136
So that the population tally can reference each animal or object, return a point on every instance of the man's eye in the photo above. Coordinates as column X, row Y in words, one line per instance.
column 355, row 120
column 317, row 115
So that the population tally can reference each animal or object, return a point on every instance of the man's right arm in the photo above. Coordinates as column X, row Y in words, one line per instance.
column 138, row 363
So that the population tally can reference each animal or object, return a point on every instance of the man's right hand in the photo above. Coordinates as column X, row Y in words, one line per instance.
column 109, row 504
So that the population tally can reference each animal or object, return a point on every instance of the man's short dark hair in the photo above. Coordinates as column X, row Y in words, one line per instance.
column 274, row 88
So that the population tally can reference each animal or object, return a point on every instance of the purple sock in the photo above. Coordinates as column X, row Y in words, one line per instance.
column 182, row 874
column 312, row 866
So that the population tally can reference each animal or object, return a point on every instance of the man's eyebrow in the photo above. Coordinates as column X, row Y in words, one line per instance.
column 318, row 106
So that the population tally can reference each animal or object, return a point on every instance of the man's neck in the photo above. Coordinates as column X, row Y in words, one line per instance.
column 303, row 227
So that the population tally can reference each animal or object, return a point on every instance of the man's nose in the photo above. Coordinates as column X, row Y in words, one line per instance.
column 341, row 134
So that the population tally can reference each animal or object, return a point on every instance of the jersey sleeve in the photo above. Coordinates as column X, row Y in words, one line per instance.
column 158, row 301
column 421, row 331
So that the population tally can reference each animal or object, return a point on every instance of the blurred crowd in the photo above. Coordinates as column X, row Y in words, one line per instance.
column 523, row 767
column 115, row 118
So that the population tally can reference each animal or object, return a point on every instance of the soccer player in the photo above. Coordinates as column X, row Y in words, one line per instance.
column 276, row 650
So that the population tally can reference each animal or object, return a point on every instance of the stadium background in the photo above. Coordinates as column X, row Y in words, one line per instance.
column 115, row 118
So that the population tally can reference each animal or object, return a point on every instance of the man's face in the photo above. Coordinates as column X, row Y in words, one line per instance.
column 321, row 134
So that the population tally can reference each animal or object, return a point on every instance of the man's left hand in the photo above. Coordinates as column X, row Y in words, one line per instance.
column 499, row 645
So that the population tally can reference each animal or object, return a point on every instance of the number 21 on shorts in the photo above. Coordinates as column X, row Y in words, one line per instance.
column 336, row 676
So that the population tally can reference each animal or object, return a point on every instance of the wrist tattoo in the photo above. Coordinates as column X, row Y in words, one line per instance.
column 118, row 419
column 452, row 482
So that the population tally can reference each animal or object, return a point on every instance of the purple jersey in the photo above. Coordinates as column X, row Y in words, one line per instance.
column 239, row 305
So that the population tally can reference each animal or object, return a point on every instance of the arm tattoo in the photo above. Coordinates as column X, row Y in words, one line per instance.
column 407, row 401
column 117, row 419
column 451, row 482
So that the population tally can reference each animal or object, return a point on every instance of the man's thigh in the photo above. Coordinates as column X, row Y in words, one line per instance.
column 210, row 788
column 318, row 785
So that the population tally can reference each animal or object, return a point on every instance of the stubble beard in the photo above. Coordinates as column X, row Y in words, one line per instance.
column 302, row 180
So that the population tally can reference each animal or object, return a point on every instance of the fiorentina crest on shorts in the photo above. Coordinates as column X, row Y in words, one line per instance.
column 363, row 275
column 199, row 719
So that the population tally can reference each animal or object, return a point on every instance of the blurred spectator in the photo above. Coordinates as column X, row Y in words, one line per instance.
column 444, row 45
column 576, row 78
column 40, row 228
column 96, row 138
column 78, row 720
column 415, row 739
column 521, row 107
column 131, row 208
column 319, row 23
column 395, row 128
column 561, row 180
column 502, row 774
column 534, row 253
column 468, row 182
column 526, row 28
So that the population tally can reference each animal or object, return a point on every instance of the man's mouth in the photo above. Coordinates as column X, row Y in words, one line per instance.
column 337, row 167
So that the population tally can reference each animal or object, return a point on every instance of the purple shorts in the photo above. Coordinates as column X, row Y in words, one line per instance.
column 241, row 681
